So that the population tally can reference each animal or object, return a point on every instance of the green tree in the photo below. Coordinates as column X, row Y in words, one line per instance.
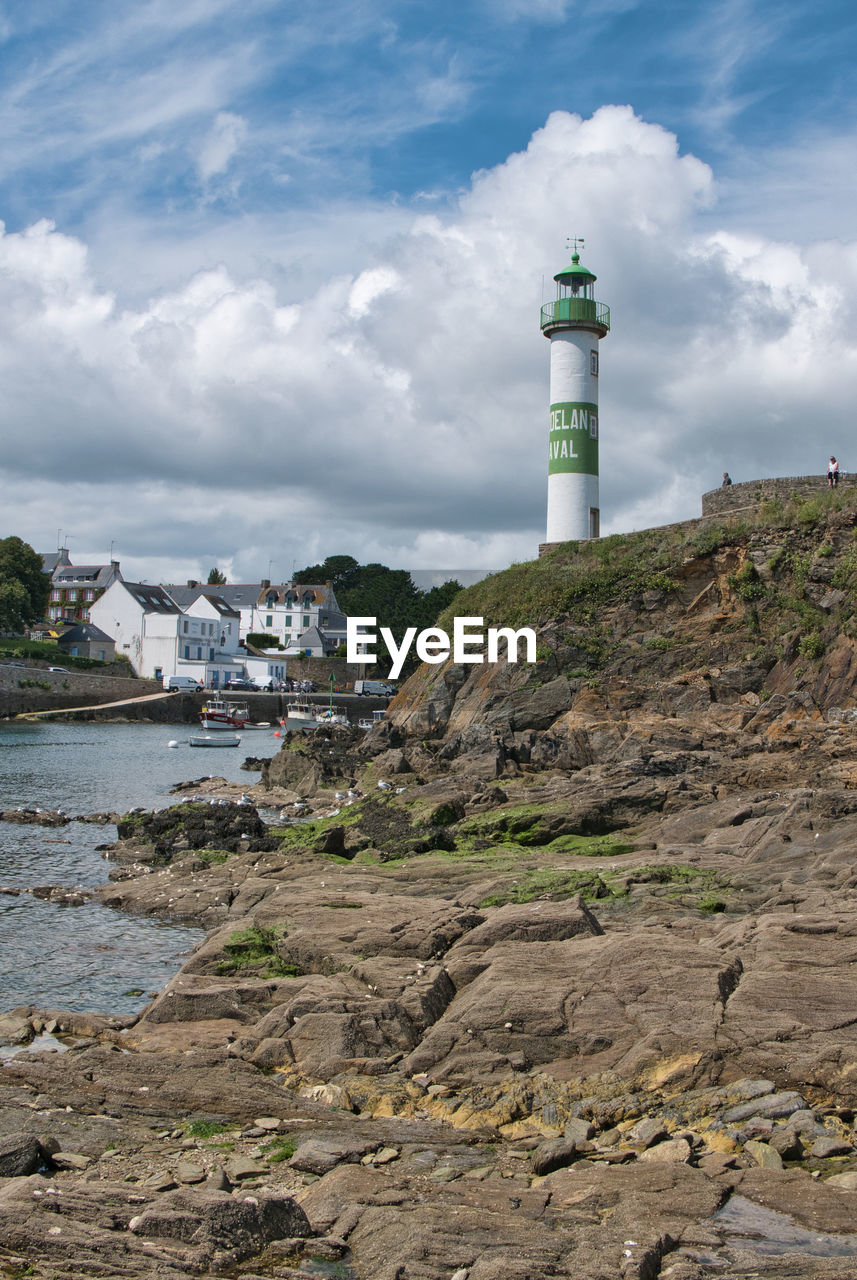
column 374, row 591
column 216, row 578
column 340, row 571
column 24, row 585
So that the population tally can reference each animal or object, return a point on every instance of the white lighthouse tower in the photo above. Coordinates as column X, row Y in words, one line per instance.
column 574, row 323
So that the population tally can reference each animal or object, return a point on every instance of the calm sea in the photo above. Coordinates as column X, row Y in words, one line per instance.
column 90, row 957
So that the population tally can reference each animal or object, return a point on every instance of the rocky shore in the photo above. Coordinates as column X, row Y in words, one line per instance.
column 552, row 974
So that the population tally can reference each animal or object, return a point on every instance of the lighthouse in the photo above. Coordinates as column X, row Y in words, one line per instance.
column 575, row 323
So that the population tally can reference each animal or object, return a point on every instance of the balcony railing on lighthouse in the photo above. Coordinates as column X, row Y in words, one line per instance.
column 576, row 311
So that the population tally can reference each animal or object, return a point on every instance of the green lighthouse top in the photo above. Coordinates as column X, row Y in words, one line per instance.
column 575, row 306
column 575, row 274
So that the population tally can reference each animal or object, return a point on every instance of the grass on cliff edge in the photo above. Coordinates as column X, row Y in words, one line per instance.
column 580, row 576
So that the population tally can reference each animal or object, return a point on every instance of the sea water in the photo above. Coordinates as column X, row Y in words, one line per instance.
column 90, row 958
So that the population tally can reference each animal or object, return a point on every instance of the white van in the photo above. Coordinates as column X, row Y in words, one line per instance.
column 183, row 684
column 375, row 688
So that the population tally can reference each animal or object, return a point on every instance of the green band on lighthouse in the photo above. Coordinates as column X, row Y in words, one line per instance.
column 573, row 438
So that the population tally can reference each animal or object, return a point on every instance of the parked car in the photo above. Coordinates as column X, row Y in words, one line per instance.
column 64, row 670
column 236, row 682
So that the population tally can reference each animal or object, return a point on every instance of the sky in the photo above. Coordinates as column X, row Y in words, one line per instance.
column 270, row 273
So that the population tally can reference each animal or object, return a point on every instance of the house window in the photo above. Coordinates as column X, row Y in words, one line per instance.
column 199, row 651
column 89, row 594
column 187, row 651
column 56, row 594
column 269, row 620
column 71, row 593
column 184, row 627
column 305, row 622
column 211, row 655
column 288, row 619
column 101, row 659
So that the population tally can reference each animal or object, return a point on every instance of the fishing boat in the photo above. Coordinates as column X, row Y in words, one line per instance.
column 215, row 740
column 217, row 713
column 300, row 714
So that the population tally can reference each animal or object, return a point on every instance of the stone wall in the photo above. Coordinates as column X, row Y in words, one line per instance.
column 66, row 689
column 750, row 492
column 744, row 495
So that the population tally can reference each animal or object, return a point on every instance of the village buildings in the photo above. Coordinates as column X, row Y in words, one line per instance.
column 196, row 629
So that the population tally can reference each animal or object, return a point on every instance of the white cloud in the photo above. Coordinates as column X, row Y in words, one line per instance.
column 221, row 143
column 397, row 409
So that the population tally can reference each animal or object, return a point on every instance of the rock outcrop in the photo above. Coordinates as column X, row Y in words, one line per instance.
column 552, row 974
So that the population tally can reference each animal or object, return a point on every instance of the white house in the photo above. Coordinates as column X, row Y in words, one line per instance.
column 240, row 597
column 288, row 612
column 162, row 640
column 208, row 641
column 143, row 621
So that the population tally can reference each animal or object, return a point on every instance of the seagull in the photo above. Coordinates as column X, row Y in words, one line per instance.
column 399, row 790
column 384, row 786
column 172, row 743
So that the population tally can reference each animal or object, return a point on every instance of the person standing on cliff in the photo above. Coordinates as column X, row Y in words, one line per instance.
column 832, row 473
column 727, row 480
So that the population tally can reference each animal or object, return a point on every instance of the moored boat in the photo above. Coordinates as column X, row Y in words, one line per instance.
column 300, row 714
column 366, row 723
column 331, row 715
column 217, row 713
column 215, row 740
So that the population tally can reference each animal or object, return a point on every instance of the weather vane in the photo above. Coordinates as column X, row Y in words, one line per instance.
column 577, row 242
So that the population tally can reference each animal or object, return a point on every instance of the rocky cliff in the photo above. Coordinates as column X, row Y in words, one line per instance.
column 553, row 974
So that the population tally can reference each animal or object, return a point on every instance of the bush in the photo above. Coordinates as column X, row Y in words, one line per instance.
column 811, row 646
column 747, row 584
column 262, row 640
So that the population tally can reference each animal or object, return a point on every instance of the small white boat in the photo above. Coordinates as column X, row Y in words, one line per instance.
column 217, row 713
column 262, row 724
column 365, row 723
column 216, row 740
column 331, row 715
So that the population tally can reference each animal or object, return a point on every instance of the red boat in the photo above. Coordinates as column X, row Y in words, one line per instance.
column 219, row 714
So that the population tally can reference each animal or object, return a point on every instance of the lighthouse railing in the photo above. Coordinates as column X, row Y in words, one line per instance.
column 575, row 310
